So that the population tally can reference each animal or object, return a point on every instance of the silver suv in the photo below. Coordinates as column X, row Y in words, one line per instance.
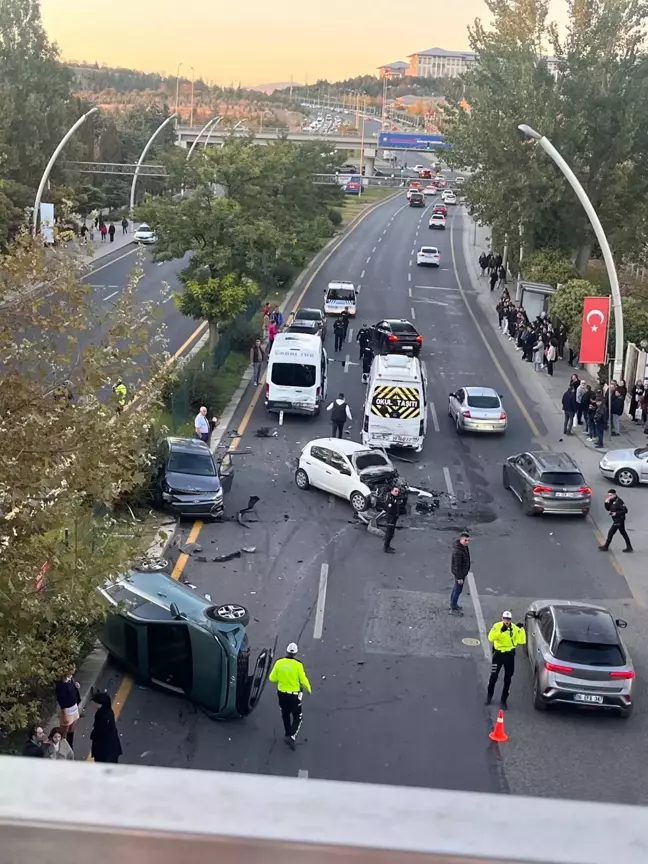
column 546, row 482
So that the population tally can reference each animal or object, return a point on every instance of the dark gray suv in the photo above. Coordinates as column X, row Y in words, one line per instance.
column 547, row 482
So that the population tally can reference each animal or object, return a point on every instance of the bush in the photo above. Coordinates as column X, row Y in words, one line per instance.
column 282, row 273
column 242, row 334
column 335, row 217
column 550, row 266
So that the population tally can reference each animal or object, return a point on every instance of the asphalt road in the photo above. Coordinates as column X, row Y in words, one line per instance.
column 397, row 692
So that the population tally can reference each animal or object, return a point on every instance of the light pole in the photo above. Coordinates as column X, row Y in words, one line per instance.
column 214, row 121
column 209, row 134
column 193, row 84
column 551, row 151
column 50, row 165
column 177, row 88
column 147, row 147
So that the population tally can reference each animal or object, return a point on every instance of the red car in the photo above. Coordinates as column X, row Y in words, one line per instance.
column 440, row 208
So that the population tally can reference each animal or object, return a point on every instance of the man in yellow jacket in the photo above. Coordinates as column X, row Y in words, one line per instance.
column 504, row 636
column 289, row 676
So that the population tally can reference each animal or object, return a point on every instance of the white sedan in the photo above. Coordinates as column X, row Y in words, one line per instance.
column 343, row 468
column 437, row 220
column 428, row 256
column 477, row 409
column 144, row 234
column 430, row 190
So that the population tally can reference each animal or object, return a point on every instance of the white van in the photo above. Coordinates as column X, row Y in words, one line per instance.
column 395, row 411
column 297, row 374
column 340, row 296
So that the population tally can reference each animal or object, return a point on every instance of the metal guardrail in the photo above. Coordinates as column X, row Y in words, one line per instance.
column 114, row 813
column 340, row 180
column 116, row 168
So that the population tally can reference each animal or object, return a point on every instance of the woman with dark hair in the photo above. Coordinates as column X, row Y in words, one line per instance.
column 57, row 746
column 68, row 698
column 106, row 746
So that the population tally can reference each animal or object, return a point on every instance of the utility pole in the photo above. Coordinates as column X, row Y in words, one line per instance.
column 177, row 90
column 193, row 83
column 384, row 105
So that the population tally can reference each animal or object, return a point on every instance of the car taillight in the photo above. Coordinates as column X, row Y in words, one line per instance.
column 317, row 393
column 556, row 667
column 267, row 389
column 625, row 675
column 365, row 425
column 419, row 338
column 503, row 415
column 467, row 414
column 541, row 490
column 585, row 490
column 422, row 428
column 393, row 338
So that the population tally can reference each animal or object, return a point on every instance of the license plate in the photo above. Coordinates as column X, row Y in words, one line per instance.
column 585, row 697
column 403, row 439
column 566, row 494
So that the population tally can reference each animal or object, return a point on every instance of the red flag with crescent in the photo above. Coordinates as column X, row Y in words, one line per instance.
column 594, row 332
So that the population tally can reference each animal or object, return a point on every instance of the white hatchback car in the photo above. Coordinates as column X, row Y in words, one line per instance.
column 144, row 234
column 343, row 468
column 428, row 255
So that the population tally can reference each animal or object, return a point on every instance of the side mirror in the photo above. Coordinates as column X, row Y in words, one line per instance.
column 452, row 395
column 621, row 623
column 531, row 615
column 175, row 612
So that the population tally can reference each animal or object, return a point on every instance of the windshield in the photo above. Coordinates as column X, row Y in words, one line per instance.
column 483, row 401
column 590, row 653
column 191, row 463
column 341, row 294
column 144, row 228
column 371, row 459
column 641, row 451
column 562, row 478
column 293, row 375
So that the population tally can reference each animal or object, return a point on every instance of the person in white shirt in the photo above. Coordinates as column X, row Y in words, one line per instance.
column 340, row 413
column 202, row 425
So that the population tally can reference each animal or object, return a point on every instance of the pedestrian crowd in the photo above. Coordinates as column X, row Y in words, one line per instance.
column 59, row 743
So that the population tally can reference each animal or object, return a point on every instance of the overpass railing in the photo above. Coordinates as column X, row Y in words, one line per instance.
column 341, row 179
column 125, row 813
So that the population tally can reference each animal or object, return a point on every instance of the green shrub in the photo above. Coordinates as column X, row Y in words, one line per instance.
column 242, row 334
column 550, row 266
column 282, row 273
column 335, row 217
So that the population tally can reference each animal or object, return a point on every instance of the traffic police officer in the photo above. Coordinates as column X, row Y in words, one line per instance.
column 289, row 676
column 504, row 637
column 393, row 512
column 120, row 392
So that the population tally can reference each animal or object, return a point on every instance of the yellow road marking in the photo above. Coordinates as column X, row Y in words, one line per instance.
column 181, row 563
column 200, row 329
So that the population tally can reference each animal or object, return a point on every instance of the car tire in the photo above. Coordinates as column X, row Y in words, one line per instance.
column 625, row 713
column 538, row 702
column 358, row 502
column 301, row 479
column 505, row 480
column 458, row 426
column 231, row 613
column 626, row 477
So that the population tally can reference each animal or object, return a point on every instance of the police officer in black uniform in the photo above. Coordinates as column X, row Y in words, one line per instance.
column 367, row 356
column 339, row 331
column 393, row 512
column 363, row 338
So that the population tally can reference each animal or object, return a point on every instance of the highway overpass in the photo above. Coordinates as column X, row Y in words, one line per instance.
column 186, row 135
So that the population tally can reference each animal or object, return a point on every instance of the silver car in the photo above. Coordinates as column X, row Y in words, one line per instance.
column 545, row 482
column 577, row 657
column 477, row 409
column 626, row 467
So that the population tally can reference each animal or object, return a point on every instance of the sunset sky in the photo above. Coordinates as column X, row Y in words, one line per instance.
column 258, row 41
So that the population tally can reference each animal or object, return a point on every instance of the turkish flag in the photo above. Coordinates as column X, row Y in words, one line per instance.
column 594, row 332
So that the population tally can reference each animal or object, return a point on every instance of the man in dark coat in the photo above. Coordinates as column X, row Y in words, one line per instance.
column 106, row 746
column 363, row 338
column 393, row 512
column 569, row 409
column 460, row 567
column 618, row 511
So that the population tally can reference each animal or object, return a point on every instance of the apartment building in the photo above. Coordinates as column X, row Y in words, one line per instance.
column 439, row 63
column 394, row 70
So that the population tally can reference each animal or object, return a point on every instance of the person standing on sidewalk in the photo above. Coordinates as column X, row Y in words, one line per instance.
column 580, row 392
column 289, row 675
column 340, row 413
column 68, row 698
column 504, row 636
column 111, row 232
column 460, row 567
column 635, row 400
column 569, row 409
column 538, row 354
column 103, row 231
column 201, row 425
column 493, row 278
column 272, row 332
column 124, row 225
column 618, row 511
column 600, row 420
column 552, row 353
column 257, row 356
column 617, row 404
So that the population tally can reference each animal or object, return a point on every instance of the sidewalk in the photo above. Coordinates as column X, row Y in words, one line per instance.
column 545, row 392
column 93, row 251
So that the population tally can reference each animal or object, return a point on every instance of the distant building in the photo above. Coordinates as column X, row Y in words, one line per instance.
column 394, row 70
column 439, row 63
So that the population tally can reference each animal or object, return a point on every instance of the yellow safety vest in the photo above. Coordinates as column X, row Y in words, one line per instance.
column 506, row 640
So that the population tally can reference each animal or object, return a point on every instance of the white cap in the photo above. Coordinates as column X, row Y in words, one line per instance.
column 292, row 648
column 506, row 614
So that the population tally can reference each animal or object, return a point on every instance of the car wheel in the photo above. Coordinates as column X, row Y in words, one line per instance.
column 538, row 702
column 358, row 502
column 625, row 713
column 231, row 613
column 528, row 508
column 458, row 426
column 505, row 480
column 301, row 479
column 626, row 477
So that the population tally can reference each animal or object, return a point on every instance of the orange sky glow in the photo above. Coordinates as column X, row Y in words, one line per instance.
column 257, row 41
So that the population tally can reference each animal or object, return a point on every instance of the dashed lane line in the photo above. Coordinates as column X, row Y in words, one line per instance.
column 479, row 615
column 448, row 481
column 110, row 296
column 413, row 313
column 435, row 419
column 362, row 275
column 321, row 602
column 368, row 260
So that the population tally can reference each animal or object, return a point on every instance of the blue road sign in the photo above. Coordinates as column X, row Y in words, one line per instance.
column 411, row 141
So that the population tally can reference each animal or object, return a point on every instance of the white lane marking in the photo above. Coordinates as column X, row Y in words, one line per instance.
column 413, row 313
column 379, row 239
column 368, row 260
column 374, row 249
column 409, row 292
column 302, row 774
column 160, row 263
column 436, row 288
column 410, row 262
column 435, row 419
column 409, row 279
column 110, row 263
column 321, row 602
column 431, row 302
column 346, row 363
column 350, row 335
column 448, row 481
column 110, row 296
column 362, row 274
column 385, row 231
column 479, row 615
column 281, row 418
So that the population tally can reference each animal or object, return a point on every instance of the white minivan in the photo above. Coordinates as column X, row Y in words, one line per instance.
column 296, row 378
column 395, row 411
column 339, row 296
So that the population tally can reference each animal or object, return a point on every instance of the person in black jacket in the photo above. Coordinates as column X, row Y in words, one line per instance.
column 393, row 512
column 68, row 698
column 106, row 746
column 339, row 331
column 618, row 511
column 569, row 409
column 363, row 338
column 35, row 746
column 460, row 566
column 617, row 404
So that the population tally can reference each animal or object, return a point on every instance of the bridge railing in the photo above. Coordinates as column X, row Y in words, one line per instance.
column 117, row 813
column 341, row 179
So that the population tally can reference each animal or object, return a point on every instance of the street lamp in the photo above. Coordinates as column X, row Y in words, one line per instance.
column 177, row 89
column 140, row 161
column 551, row 151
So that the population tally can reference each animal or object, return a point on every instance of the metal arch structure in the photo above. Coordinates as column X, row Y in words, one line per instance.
column 140, row 161
column 116, row 168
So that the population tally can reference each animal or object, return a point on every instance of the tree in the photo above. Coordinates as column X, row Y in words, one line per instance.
column 549, row 266
column 567, row 305
column 216, row 300
column 66, row 463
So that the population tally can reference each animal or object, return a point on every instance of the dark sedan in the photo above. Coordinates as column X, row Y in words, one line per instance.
column 189, row 481
column 307, row 314
column 393, row 335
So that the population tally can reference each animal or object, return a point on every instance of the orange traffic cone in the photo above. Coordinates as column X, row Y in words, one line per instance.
column 498, row 734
